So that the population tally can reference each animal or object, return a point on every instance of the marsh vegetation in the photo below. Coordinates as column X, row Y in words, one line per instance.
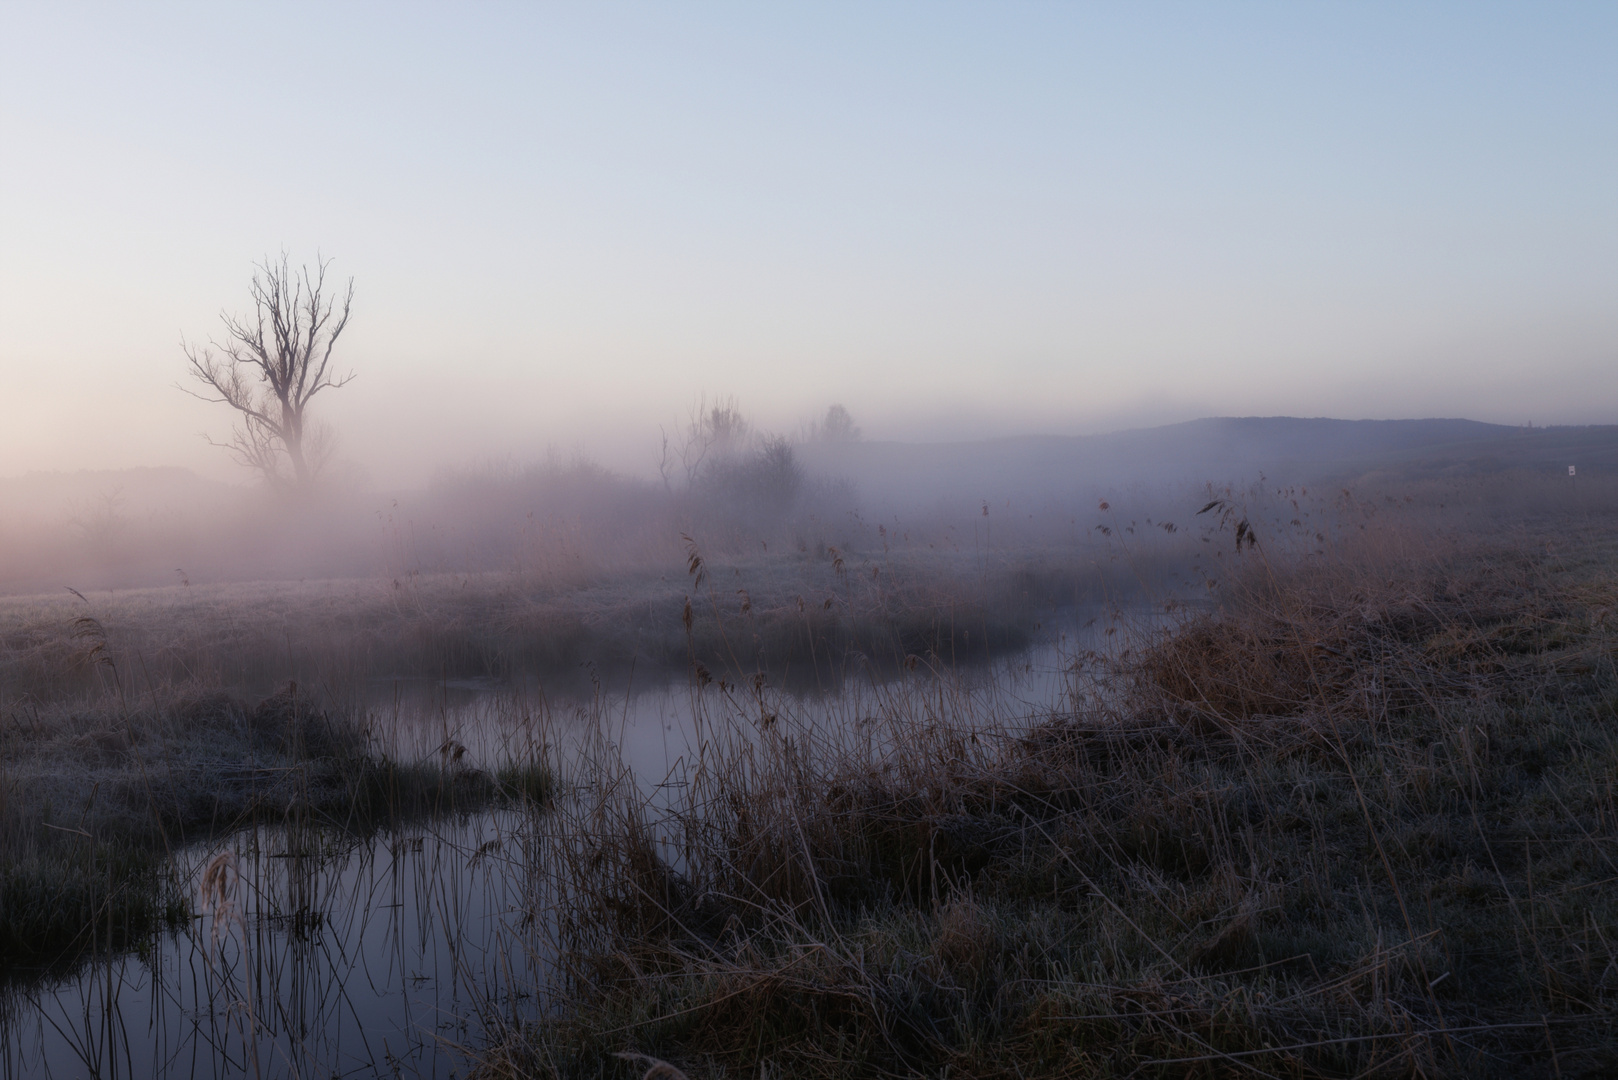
column 1161, row 799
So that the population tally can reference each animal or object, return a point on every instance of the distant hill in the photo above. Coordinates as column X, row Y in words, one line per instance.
column 1219, row 449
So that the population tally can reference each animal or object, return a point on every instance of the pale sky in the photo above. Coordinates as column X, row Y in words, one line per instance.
column 565, row 222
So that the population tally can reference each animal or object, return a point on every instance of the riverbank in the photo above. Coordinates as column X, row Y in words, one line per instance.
column 95, row 801
column 1360, row 821
column 805, row 617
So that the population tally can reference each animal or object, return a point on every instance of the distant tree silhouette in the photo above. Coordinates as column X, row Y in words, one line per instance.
column 271, row 364
column 711, row 434
column 839, row 426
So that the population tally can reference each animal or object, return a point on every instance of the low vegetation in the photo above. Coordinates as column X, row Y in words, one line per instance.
column 96, row 799
column 802, row 616
column 1359, row 821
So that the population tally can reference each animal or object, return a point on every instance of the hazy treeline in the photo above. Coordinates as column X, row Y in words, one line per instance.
column 733, row 490
column 721, row 482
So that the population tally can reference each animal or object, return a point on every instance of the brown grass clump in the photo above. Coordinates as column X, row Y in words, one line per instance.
column 1360, row 821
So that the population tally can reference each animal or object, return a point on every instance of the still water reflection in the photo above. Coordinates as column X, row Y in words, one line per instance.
column 319, row 955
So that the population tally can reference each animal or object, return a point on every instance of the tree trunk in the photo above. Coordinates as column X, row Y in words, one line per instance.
column 292, row 439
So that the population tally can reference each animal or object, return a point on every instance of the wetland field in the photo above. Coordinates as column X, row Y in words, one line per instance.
column 1033, row 541
column 1298, row 785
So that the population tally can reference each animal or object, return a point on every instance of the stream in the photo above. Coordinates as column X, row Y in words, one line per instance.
column 317, row 953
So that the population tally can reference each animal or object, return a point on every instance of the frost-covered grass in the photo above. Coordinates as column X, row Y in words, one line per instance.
column 1362, row 820
column 96, row 799
column 790, row 612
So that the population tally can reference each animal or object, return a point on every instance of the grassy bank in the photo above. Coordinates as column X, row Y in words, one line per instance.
column 803, row 616
column 1360, row 821
column 96, row 799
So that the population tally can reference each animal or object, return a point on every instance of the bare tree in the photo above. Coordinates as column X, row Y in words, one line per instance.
column 271, row 364
column 839, row 426
column 711, row 433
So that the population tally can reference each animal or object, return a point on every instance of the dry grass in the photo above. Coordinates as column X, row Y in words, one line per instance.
column 1361, row 821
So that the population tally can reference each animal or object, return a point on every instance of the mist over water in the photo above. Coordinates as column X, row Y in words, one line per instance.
column 566, row 519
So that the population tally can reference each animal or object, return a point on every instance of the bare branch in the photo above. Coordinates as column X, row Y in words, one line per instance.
column 271, row 364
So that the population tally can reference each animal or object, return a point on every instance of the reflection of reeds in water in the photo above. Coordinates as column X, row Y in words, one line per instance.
column 655, row 1069
column 315, row 952
column 217, row 904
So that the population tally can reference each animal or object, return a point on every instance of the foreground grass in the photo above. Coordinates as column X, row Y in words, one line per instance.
column 1360, row 822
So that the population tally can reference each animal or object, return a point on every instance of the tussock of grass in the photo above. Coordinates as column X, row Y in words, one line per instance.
column 94, row 800
column 1358, row 822
column 66, row 897
column 529, row 782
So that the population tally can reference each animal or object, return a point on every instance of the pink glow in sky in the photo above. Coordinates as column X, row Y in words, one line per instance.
column 565, row 222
